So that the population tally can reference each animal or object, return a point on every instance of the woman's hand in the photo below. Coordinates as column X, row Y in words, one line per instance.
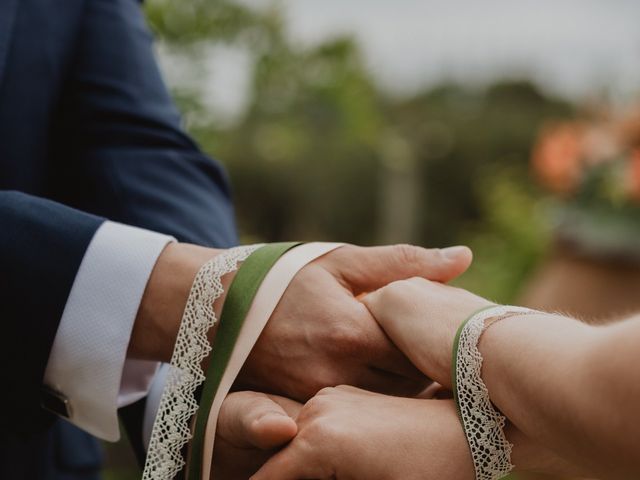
column 422, row 318
column 348, row 433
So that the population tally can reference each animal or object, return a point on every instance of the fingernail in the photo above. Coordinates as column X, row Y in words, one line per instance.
column 452, row 253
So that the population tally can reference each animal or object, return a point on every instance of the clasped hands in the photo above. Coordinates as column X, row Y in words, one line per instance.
column 354, row 322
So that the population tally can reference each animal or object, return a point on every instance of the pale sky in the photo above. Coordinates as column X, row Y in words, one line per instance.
column 576, row 48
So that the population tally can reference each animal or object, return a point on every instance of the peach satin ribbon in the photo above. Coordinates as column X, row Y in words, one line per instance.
column 263, row 305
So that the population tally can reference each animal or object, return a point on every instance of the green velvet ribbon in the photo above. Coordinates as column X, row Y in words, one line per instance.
column 239, row 298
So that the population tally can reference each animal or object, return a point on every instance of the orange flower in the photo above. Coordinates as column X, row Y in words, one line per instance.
column 634, row 175
column 557, row 156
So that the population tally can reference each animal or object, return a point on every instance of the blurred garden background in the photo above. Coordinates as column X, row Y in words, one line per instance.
column 512, row 128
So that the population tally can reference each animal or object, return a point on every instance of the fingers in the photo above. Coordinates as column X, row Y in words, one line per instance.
column 366, row 269
column 249, row 419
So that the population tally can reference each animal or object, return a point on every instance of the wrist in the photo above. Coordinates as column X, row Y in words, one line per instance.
column 164, row 299
column 534, row 366
column 541, row 336
column 446, row 346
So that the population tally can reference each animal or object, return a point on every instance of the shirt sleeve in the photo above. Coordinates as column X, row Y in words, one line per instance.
column 87, row 364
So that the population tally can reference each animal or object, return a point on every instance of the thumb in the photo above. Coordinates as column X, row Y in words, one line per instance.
column 366, row 269
column 257, row 420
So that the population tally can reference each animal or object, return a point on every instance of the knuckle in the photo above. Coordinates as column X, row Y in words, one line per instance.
column 319, row 401
column 320, row 418
column 322, row 429
column 314, row 408
column 406, row 253
column 305, row 443
column 437, row 256
column 394, row 292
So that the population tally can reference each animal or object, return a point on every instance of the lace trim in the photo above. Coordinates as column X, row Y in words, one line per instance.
column 483, row 424
column 178, row 404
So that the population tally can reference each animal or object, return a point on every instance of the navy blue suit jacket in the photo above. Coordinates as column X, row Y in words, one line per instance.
column 87, row 132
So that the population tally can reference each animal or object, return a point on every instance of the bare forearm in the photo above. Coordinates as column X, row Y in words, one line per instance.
column 614, row 397
column 529, row 456
column 569, row 386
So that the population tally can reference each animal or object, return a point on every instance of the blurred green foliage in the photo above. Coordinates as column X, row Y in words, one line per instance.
column 309, row 157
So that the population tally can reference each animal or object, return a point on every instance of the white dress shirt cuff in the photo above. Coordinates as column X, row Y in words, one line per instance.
column 87, row 363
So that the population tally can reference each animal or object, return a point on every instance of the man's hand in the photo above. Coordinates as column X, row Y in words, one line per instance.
column 321, row 335
column 251, row 427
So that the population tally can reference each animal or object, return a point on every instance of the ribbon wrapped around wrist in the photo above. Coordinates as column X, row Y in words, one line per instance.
column 483, row 424
column 259, row 284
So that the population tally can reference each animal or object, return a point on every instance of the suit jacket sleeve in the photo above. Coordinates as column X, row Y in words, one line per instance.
column 121, row 150
column 41, row 246
column 118, row 151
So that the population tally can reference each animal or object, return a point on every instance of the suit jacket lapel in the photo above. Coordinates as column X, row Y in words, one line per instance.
column 8, row 10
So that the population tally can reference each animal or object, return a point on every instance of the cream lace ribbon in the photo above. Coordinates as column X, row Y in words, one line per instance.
column 483, row 424
column 273, row 287
column 178, row 404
